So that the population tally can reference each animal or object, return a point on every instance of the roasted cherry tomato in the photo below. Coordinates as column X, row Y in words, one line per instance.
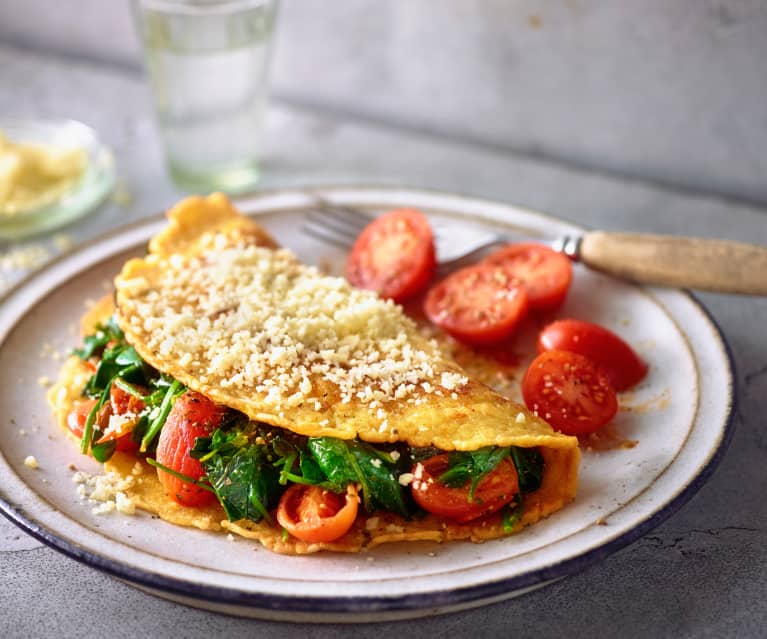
column 570, row 392
column 124, row 402
column 545, row 273
column 478, row 304
column 603, row 347
column 192, row 416
column 394, row 255
column 79, row 415
column 493, row 492
column 314, row 514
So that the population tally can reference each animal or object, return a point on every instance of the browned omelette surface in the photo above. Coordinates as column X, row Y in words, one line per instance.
column 253, row 328
column 218, row 308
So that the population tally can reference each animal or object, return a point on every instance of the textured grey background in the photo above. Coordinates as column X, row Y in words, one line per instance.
column 673, row 92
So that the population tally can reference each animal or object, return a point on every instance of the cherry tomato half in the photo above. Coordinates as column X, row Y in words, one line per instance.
column 394, row 255
column 603, row 347
column 79, row 415
column 493, row 492
column 124, row 402
column 193, row 415
column 314, row 514
column 545, row 273
column 478, row 304
column 570, row 392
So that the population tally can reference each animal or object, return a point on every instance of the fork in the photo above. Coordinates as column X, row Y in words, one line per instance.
column 705, row 264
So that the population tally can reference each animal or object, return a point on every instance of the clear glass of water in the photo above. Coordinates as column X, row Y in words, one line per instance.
column 208, row 62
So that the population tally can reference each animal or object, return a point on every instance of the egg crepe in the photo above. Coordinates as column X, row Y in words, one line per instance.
column 217, row 306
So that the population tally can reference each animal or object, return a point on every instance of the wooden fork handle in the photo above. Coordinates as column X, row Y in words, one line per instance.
column 687, row 262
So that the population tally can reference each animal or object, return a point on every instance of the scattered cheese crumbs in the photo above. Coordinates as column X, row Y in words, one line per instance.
column 394, row 528
column 137, row 469
column 117, row 423
column 24, row 258
column 521, row 419
column 121, row 195
column 62, row 242
column 104, row 508
column 22, row 432
column 394, row 455
column 107, row 492
column 230, row 537
column 405, row 479
column 376, row 462
column 124, row 504
column 30, row 461
column 451, row 381
column 273, row 325
column 49, row 350
column 371, row 523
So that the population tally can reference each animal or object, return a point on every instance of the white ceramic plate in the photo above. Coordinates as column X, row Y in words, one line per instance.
column 680, row 415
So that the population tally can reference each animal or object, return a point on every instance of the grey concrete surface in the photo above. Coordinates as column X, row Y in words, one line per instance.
column 672, row 92
column 703, row 573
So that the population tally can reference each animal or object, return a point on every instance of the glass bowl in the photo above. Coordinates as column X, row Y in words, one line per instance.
column 96, row 182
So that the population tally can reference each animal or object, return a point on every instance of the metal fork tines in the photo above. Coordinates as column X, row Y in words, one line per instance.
column 340, row 225
column 335, row 223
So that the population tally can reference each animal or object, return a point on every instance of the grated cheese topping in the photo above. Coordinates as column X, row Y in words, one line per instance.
column 109, row 492
column 254, row 318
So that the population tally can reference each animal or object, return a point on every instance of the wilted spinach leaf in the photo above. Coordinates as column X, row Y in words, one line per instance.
column 529, row 464
column 471, row 466
column 345, row 461
column 246, row 484
column 120, row 364
column 95, row 343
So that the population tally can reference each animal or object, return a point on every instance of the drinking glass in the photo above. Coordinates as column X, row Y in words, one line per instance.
column 208, row 63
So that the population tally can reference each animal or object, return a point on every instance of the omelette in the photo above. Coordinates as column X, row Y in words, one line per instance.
column 315, row 383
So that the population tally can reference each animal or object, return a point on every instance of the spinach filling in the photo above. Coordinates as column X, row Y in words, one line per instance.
column 249, row 465
column 118, row 364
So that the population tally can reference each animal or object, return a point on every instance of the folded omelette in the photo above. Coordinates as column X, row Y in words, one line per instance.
column 307, row 360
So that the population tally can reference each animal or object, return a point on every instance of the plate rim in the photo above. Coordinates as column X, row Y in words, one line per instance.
column 441, row 600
